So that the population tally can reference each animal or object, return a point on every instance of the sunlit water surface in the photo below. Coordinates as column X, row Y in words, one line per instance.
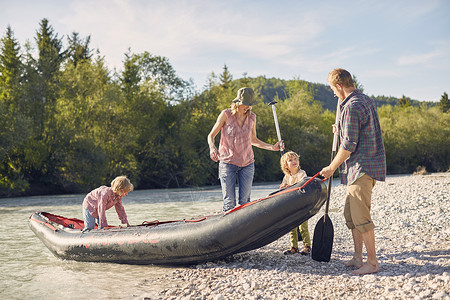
column 28, row 270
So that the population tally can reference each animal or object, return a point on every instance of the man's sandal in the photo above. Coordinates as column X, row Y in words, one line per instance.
column 293, row 250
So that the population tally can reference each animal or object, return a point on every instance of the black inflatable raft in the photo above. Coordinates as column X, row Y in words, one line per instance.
column 247, row 227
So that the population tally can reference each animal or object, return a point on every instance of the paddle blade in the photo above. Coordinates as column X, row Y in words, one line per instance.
column 323, row 239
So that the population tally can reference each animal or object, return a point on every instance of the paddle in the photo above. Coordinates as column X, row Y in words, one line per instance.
column 277, row 127
column 324, row 231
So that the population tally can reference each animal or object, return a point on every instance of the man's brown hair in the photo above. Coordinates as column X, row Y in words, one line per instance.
column 342, row 77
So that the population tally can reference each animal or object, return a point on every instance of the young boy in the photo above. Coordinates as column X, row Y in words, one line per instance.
column 290, row 165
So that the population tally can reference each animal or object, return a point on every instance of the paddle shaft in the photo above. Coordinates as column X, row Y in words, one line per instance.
column 324, row 231
column 277, row 127
column 333, row 153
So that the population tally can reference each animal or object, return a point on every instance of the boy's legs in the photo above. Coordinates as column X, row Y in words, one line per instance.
column 293, row 238
column 304, row 232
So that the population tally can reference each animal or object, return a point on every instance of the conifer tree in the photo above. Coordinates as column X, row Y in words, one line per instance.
column 50, row 54
column 444, row 104
column 130, row 78
column 225, row 78
column 42, row 76
column 14, row 126
column 78, row 49
column 404, row 101
column 10, row 70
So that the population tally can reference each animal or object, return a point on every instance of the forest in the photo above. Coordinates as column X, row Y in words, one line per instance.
column 69, row 123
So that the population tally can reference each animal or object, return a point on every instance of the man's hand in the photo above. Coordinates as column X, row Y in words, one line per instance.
column 327, row 172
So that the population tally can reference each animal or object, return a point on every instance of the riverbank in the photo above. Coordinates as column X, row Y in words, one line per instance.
column 411, row 214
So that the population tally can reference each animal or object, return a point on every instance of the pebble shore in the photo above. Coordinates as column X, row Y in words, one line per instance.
column 412, row 218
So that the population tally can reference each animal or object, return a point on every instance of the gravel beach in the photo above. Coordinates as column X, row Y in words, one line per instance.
column 412, row 218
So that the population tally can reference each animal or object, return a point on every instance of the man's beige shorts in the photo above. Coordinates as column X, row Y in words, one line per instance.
column 357, row 204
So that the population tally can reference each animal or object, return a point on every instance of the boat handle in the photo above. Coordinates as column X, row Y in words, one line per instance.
column 311, row 179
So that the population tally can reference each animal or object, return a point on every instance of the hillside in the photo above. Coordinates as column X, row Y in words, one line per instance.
column 273, row 88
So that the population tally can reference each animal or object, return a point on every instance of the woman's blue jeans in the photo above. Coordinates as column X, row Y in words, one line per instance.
column 228, row 174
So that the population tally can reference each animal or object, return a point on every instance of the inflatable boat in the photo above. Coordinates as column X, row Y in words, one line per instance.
column 182, row 242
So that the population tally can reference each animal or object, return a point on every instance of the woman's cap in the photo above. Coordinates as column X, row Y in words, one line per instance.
column 245, row 96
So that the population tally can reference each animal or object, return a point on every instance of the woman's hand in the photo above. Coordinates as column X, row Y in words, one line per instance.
column 214, row 154
column 335, row 127
column 278, row 146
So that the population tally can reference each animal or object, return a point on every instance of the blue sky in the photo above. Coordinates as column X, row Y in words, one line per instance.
column 395, row 48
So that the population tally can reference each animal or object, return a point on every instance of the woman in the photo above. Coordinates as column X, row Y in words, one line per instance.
column 238, row 134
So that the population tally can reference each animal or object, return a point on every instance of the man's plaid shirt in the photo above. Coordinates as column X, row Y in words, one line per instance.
column 360, row 133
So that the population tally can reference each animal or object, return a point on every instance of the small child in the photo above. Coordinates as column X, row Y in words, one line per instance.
column 98, row 201
column 290, row 165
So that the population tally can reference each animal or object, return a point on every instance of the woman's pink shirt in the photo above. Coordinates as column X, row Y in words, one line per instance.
column 236, row 141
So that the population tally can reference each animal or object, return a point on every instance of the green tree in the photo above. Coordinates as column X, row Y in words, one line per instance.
column 415, row 136
column 50, row 51
column 154, row 94
column 225, row 78
column 444, row 104
column 131, row 77
column 244, row 81
column 14, row 131
column 200, row 114
column 41, row 77
column 42, row 92
column 159, row 70
column 14, row 125
column 404, row 102
column 82, row 112
column 10, row 71
column 78, row 49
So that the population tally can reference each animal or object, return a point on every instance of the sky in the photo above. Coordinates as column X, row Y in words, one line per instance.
column 394, row 47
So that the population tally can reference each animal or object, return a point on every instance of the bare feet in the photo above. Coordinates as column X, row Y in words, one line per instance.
column 367, row 269
column 354, row 262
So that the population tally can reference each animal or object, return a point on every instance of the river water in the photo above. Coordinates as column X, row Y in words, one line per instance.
column 28, row 270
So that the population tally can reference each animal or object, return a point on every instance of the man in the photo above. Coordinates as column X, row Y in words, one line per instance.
column 361, row 160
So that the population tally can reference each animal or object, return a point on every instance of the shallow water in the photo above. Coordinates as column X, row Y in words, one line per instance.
column 29, row 270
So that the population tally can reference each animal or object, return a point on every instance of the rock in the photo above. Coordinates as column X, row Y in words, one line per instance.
column 440, row 295
column 369, row 278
